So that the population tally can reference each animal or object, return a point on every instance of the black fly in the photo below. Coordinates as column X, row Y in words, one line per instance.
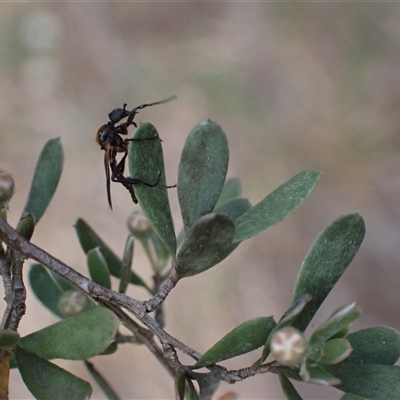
column 109, row 139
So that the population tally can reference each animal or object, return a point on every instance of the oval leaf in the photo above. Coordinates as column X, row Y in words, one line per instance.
column 81, row 336
column 191, row 391
column 376, row 345
column 340, row 319
column 208, row 383
column 146, row 162
column 126, row 267
column 375, row 382
column 180, row 385
column 47, row 288
column 89, row 240
column 231, row 190
column 312, row 372
column 288, row 389
column 277, row 206
column 331, row 352
column 202, row 171
column 327, row 259
column 246, row 337
column 206, row 244
column 234, row 208
column 46, row 380
column 45, row 179
column 98, row 268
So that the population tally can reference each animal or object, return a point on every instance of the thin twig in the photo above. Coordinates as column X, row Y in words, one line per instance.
column 155, row 302
column 92, row 289
column 114, row 300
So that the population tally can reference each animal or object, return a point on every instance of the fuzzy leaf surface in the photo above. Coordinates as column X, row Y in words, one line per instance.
column 332, row 351
column 202, row 171
column 89, row 240
column 98, row 268
column 341, row 318
column 206, row 244
column 288, row 389
column 126, row 266
column 246, row 337
column 47, row 288
column 46, row 380
column 375, row 345
column 326, row 261
column 234, row 207
column 277, row 206
column 146, row 162
column 373, row 382
column 232, row 189
column 45, row 179
column 81, row 336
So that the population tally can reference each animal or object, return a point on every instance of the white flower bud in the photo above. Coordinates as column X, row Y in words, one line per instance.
column 139, row 226
column 72, row 302
column 6, row 188
column 288, row 346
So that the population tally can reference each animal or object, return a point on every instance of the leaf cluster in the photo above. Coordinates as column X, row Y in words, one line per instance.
column 216, row 219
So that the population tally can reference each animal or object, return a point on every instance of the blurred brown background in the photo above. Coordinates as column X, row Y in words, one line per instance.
column 294, row 86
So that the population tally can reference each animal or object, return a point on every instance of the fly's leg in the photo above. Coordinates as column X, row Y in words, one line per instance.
column 117, row 175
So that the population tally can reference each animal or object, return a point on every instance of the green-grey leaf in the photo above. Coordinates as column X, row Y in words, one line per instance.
column 206, row 244
column 46, row 380
column 294, row 310
column 277, row 206
column 314, row 373
column 47, row 288
column 331, row 352
column 374, row 382
column 146, row 162
column 327, row 259
column 81, row 336
column 45, row 179
column 102, row 382
column 126, row 267
column 208, row 383
column 288, row 388
column 162, row 254
column 191, row 392
column 202, row 171
column 180, row 384
column 231, row 190
column 246, row 337
column 234, row 207
column 89, row 240
column 98, row 268
column 8, row 338
column 341, row 318
column 376, row 345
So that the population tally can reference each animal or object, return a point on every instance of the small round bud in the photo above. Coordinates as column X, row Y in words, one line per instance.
column 6, row 188
column 139, row 226
column 288, row 346
column 72, row 302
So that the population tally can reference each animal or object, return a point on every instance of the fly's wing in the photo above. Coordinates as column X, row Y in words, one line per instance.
column 108, row 179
